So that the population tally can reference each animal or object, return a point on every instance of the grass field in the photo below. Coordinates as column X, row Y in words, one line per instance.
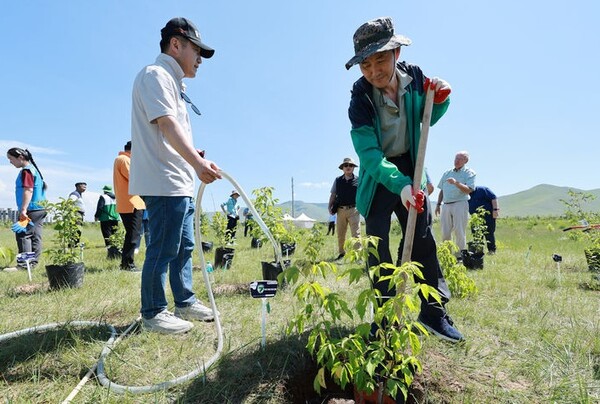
column 532, row 331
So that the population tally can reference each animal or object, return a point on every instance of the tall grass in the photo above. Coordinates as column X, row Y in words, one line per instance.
column 532, row 332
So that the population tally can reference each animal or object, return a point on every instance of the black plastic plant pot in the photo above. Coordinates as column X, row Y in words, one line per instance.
column 223, row 257
column 255, row 243
column 288, row 248
column 113, row 253
column 65, row 276
column 472, row 260
column 207, row 246
column 271, row 270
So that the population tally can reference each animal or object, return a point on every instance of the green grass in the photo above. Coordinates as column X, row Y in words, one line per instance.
column 532, row 335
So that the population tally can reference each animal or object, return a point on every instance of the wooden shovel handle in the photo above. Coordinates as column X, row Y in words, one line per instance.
column 409, row 235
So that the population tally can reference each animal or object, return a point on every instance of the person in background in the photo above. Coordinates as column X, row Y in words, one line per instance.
column 164, row 165
column 429, row 184
column 248, row 218
column 484, row 197
column 342, row 201
column 130, row 207
column 232, row 210
column 30, row 193
column 77, row 197
column 386, row 107
column 331, row 227
column 455, row 186
column 106, row 213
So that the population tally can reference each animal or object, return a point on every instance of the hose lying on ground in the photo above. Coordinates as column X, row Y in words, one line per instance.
column 110, row 344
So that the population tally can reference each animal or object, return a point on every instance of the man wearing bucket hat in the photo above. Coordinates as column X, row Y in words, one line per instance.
column 232, row 210
column 385, row 110
column 164, row 165
column 342, row 201
column 106, row 213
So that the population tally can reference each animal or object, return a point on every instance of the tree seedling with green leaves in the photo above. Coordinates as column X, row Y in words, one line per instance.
column 457, row 278
column 272, row 216
column 384, row 362
column 66, row 220
column 219, row 227
column 586, row 221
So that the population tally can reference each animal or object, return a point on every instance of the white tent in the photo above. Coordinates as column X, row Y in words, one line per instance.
column 304, row 221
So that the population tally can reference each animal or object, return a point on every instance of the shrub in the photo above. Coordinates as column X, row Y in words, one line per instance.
column 457, row 278
column 385, row 361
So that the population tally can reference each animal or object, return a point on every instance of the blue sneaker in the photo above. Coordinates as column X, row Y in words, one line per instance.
column 442, row 328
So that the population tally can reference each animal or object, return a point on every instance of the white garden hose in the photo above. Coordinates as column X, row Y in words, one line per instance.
column 257, row 218
column 112, row 341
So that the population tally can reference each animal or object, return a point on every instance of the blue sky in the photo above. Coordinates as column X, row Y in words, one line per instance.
column 274, row 97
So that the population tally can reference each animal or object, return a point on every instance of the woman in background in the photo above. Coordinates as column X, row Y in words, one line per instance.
column 30, row 192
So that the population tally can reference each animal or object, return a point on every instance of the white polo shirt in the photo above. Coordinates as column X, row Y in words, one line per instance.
column 156, row 168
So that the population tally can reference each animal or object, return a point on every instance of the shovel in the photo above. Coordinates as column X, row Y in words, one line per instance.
column 418, row 176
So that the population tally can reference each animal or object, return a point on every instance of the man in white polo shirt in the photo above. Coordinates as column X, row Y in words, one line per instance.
column 164, row 164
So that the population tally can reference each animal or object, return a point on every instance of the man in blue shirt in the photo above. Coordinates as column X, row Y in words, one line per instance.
column 231, row 209
column 455, row 186
column 484, row 197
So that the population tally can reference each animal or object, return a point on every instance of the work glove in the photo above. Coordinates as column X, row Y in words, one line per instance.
column 409, row 197
column 21, row 225
column 441, row 94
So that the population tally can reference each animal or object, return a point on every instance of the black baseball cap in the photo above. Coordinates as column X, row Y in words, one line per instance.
column 187, row 29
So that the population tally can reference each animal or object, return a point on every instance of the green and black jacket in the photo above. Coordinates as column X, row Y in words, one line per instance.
column 366, row 135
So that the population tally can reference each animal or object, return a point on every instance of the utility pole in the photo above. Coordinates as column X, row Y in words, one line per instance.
column 293, row 212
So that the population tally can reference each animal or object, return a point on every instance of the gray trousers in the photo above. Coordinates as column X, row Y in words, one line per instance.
column 31, row 240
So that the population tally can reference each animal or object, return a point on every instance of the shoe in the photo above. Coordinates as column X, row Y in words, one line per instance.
column 130, row 268
column 166, row 323
column 195, row 311
column 441, row 328
column 339, row 257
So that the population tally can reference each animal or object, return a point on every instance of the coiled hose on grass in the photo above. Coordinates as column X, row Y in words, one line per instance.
column 113, row 340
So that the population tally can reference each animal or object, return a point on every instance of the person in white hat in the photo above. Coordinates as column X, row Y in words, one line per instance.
column 342, row 201
column 232, row 210
column 385, row 110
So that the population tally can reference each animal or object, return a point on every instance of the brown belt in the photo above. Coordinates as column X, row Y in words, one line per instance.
column 347, row 207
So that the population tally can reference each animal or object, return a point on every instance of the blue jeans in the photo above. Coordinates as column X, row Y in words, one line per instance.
column 171, row 246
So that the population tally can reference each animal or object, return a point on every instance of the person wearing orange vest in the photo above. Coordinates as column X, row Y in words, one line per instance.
column 130, row 207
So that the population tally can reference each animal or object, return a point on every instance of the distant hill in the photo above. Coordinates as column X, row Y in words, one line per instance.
column 541, row 200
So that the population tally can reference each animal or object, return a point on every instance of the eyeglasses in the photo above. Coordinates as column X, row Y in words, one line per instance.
column 187, row 99
column 348, row 165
